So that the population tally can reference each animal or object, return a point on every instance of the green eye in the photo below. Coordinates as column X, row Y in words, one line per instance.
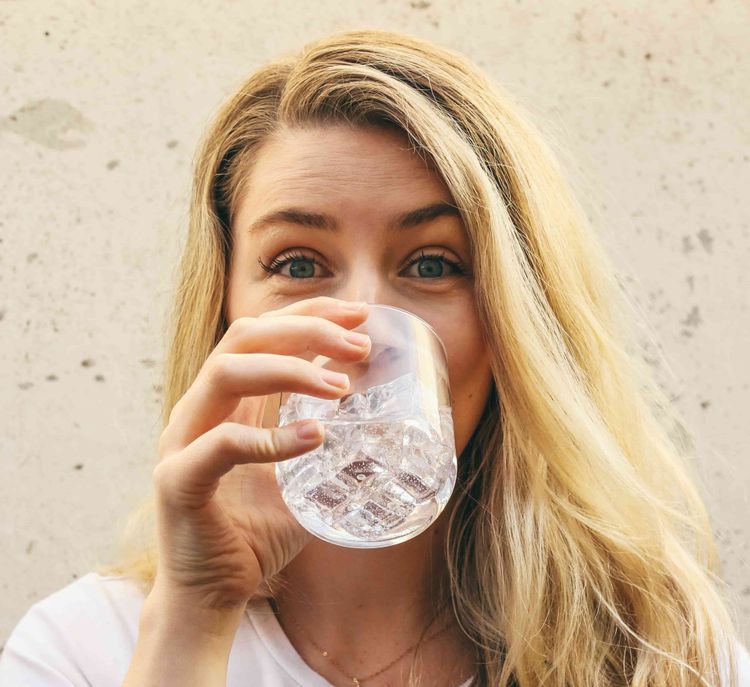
column 431, row 265
column 303, row 270
column 301, row 266
column 296, row 270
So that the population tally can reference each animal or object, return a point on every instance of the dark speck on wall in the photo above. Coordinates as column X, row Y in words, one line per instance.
column 172, row 143
column 693, row 318
column 88, row 362
column 25, row 385
column 705, row 404
column 30, row 546
column 691, row 322
column 112, row 164
column 51, row 378
column 420, row 4
column 46, row 33
column 647, row 56
column 706, row 240
column 99, row 378
column 78, row 466
column 31, row 257
column 148, row 362
column 2, row 314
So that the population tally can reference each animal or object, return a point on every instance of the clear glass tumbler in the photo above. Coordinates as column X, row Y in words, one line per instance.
column 387, row 466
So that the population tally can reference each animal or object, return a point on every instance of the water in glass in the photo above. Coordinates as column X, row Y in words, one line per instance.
column 384, row 472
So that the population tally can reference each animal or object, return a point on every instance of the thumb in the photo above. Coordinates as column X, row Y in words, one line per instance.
column 198, row 469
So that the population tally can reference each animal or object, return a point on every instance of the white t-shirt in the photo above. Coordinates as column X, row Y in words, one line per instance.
column 84, row 635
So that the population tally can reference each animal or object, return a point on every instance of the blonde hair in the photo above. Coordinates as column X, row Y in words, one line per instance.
column 580, row 552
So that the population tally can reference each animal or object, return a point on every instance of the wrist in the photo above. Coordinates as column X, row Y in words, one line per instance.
column 169, row 609
column 181, row 642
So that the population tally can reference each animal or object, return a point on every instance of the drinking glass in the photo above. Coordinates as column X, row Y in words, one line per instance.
column 387, row 466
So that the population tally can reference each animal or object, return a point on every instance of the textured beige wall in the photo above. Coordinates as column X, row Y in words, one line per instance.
column 99, row 116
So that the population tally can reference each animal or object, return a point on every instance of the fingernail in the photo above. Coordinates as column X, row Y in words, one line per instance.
column 356, row 339
column 309, row 430
column 354, row 306
column 335, row 378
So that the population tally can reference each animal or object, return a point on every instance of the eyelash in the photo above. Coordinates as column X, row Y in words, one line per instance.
column 279, row 261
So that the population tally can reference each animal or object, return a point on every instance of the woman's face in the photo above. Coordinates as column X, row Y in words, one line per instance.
column 326, row 208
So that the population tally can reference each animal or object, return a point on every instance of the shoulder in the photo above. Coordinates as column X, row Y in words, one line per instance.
column 83, row 633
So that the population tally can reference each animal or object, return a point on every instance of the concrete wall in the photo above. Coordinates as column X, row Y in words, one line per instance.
column 100, row 112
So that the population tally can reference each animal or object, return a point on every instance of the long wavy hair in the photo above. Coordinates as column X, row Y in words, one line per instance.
column 580, row 552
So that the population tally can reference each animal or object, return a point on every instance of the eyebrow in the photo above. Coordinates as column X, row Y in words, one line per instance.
column 314, row 220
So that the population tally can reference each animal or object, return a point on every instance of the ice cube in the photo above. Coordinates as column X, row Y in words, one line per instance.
column 395, row 398
column 393, row 497
column 383, row 441
column 326, row 494
column 353, row 406
column 337, row 443
column 302, row 406
column 370, row 519
column 360, row 472
column 417, row 487
column 415, row 455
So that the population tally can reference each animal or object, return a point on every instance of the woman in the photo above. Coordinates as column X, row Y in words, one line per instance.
column 374, row 167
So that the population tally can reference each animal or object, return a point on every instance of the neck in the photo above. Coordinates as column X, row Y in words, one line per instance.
column 350, row 597
column 366, row 607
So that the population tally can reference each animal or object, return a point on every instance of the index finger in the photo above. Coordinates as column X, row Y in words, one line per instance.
column 339, row 311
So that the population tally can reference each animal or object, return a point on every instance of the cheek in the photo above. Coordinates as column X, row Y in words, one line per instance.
column 467, row 357
column 468, row 366
column 245, row 298
column 469, row 372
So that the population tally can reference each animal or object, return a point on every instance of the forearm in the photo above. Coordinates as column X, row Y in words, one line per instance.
column 181, row 645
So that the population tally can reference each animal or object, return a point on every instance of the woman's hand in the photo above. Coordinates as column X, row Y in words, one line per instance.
column 221, row 533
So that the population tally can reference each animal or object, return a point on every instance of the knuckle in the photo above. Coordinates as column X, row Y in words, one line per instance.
column 244, row 440
column 241, row 327
column 161, row 476
column 267, row 444
column 219, row 368
column 226, row 438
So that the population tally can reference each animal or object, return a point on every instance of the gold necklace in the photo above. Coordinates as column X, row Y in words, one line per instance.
column 357, row 682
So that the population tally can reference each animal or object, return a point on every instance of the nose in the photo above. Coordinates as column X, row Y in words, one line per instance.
column 364, row 284
column 368, row 281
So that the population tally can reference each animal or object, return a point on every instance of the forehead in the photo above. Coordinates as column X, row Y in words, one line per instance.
column 337, row 163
